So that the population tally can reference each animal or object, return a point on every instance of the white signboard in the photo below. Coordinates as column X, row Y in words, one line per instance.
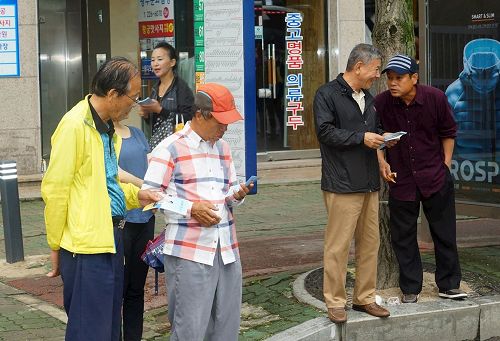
column 151, row 10
column 9, row 39
column 224, row 64
column 156, row 23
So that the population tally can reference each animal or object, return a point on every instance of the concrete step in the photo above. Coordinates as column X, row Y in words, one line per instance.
column 471, row 319
column 269, row 172
column 286, row 164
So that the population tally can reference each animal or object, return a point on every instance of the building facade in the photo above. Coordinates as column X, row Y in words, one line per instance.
column 62, row 42
column 278, row 51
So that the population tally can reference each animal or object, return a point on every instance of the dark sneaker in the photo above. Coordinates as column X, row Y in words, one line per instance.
column 454, row 294
column 409, row 298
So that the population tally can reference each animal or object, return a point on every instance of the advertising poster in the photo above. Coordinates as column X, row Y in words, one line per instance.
column 156, row 24
column 199, row 42
column 464, row 61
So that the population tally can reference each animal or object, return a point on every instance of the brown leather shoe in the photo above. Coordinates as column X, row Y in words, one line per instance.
column 372, row 309
column 337, row 315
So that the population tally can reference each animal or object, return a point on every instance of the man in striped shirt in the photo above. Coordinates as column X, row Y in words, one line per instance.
column 202, row 264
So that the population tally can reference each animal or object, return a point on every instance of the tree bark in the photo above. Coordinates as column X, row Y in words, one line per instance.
column 388, row 268
column 393, row 33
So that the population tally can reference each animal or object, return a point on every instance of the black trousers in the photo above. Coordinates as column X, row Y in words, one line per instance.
column 439, row 209
column 135, row 238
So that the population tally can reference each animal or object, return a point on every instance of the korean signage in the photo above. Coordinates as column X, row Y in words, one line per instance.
column 465, row 63
column 294, row 64
column 198, row 9
column 147, row 69
column 151, row 10
column 156, row 29
column 223, row 63
column 199, row 37
column 156, row 23
column 9, row 39
column 199, row 41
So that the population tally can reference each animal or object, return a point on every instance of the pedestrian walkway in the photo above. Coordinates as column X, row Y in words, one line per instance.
column 280, row 232
column 280, row 183
column 23, row 317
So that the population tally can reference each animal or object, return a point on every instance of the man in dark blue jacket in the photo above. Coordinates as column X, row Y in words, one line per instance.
column 347, row 130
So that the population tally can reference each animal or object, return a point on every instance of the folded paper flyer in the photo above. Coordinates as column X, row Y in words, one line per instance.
column 171, row 204
column 394, row 136
column 390, row 137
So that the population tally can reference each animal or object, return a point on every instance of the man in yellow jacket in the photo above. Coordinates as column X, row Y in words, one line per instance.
column 85, row 203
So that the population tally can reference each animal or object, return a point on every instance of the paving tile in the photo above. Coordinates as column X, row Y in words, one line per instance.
column 269, row 214
column 253, row 335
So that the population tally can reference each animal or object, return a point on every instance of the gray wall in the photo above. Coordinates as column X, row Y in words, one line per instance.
column 346, row 27
column 20, row 99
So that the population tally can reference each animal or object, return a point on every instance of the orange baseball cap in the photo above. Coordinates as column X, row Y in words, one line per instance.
column 223, row 108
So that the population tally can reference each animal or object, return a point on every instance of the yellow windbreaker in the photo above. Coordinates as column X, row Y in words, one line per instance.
column 77, row 204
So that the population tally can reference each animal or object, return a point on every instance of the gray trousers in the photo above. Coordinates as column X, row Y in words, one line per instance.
column 204, row 301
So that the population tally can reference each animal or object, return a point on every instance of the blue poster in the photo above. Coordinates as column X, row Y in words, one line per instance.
column 475, row 100
column 464, row 59
column 146, row 69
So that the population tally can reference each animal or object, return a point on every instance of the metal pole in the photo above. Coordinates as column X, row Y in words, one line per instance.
column 11, row 213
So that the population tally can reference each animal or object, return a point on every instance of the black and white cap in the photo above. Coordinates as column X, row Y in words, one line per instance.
column 401, row 64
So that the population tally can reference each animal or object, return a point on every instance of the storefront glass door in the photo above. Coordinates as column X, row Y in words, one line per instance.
column 291, row 63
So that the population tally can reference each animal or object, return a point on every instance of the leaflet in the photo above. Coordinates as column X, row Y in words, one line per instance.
column 171, row 204
column 394, row 136
column 145, row 101
column 390, row 137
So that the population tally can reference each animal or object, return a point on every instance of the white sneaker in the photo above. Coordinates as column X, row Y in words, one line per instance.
column 454, row 294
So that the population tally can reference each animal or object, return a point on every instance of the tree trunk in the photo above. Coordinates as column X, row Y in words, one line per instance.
column 393, row 31
column 392, row 34
column 388, row 269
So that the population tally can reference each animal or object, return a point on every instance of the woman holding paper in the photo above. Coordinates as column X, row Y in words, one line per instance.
column 171, row 99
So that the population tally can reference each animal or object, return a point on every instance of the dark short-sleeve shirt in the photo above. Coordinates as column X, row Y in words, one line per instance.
column 418, row 158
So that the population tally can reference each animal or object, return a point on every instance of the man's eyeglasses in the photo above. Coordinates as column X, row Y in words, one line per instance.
column 136, row 100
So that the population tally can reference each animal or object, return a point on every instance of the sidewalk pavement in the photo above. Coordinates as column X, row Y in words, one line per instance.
column 281, row 235
column 23, row 317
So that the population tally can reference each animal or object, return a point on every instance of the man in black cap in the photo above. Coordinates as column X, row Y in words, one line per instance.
column 418, row 171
